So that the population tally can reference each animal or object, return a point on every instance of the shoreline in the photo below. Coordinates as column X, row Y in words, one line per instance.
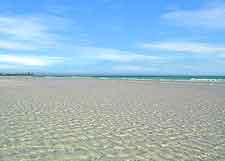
column 131, row 80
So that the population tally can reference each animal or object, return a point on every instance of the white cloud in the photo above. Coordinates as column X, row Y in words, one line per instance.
column 23, row 28
column 114, row 55
column 29, row 60
column 207, row 17
column 12, row 45
column 121, row 57
column 26, row 32
column 132, row 68
column 189, row 47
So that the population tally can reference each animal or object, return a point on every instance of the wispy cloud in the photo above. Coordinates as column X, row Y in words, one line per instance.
column 132, row 68
column 119, row 56
column 212, row 17
column 29, row 60
column 115, row 55
column 28, row 33
column 23, row 27
column 14, row 45
column 23, row 32
column 187, row 47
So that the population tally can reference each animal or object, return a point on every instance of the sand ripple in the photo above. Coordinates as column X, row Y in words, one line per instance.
column 106, row 120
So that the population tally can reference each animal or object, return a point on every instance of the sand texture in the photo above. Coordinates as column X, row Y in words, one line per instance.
column 110, row 120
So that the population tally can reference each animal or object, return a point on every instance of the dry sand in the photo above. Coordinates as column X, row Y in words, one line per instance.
column 110, row 120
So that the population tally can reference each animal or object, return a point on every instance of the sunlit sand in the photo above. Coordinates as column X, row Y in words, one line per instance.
column 110, row 120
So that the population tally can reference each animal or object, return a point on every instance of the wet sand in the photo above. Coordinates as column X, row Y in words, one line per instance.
column 110, row 120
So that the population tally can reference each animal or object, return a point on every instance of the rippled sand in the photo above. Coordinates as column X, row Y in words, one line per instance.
column 110, row 120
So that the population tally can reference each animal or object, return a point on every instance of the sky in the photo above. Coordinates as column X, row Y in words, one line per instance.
column 113, row 37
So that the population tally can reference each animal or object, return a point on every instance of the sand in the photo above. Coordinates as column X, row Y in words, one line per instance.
column 55, row 119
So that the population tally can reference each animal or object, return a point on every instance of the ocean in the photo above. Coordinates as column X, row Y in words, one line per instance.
column 168, row 78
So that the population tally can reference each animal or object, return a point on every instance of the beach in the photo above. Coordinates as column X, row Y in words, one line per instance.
column 59, row 119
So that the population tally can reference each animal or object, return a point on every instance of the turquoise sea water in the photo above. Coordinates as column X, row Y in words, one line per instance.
column 168, row 78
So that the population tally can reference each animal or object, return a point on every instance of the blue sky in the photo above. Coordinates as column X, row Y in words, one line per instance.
column 113, row 37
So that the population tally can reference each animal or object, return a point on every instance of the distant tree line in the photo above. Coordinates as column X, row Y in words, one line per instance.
column 17, row 74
